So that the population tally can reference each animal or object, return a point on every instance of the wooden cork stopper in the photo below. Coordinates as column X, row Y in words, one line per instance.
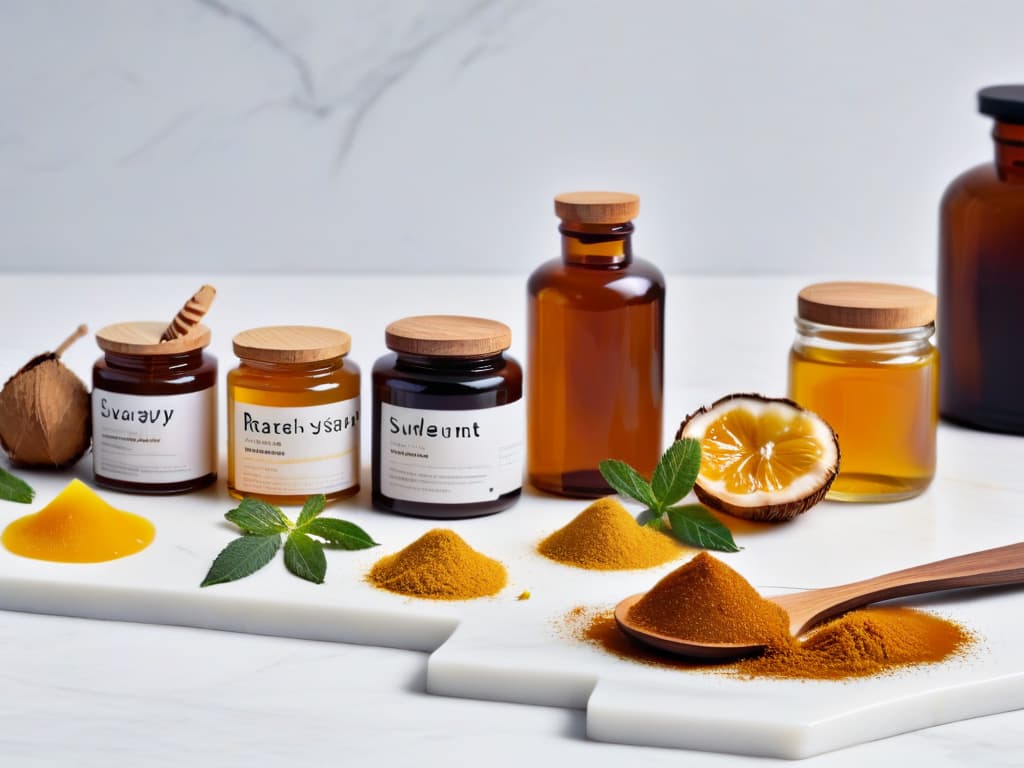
column 880, row 306
column 597, row 207
column 448, row 336
column 291, row 344
column 143, row 338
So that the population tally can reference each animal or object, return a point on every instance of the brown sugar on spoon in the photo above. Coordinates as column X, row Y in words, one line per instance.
column 706, row 601
column 190, row 314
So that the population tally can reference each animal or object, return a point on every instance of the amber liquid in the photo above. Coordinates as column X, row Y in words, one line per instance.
column 288, row 386
column 981, row 291
column 883, row 407
column 596, row 329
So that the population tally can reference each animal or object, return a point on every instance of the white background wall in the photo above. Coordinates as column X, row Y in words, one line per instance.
column 393, row 135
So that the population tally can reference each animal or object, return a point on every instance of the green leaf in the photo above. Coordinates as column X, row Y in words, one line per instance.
column 314, row 506
column 242, row 557
column 650, row 518
column 15, row 489
column 627, row 481
column 340, row 533
column 258, row 518
column 304, row 557
column 694, row 525
column 676, row 472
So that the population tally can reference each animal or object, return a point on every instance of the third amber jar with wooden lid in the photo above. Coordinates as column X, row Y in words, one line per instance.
column 863, row 360
column 596, row 330
column 447, row 418
column 293, row 415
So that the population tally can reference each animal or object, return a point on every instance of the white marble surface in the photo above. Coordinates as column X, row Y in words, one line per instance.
column 125, row 694
column 429, row 135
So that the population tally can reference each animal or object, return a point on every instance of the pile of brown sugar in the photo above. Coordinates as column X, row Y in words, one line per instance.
column 605, row 537
column 705, row 600
column 439, row 565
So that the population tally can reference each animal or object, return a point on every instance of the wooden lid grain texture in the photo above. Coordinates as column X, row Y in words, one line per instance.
column 448, row 336
column 143, row 338
column 866, row 305
column 291, row 344
column 597, row 207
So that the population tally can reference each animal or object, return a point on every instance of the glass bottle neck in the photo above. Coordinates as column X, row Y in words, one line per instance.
column 1009, row 141
column 889, row 340
column 316, row 368
column 597, row 245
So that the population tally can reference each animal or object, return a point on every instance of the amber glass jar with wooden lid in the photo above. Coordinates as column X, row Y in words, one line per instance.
column 863, row 360
column 447, row 418
column 595, row 358
column 154, row 409
column 293, row 415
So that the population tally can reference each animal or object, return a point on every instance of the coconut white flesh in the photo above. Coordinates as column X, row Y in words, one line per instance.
column 799, row 488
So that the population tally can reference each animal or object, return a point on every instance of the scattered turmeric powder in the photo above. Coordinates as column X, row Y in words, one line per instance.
column 439, row 565
column 707, row 601
column 605, row 537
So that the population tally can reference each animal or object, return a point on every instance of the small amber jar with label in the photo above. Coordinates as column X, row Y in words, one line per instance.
column 863, row 360
column 154, row 410
column 293, row 415
column 448, row 423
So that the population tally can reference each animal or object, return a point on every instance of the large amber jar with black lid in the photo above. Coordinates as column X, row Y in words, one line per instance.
column 447, row 418
column 981, row 278
column 595, row 359
column 863, row 360
column 154, row 410
column 293, row 415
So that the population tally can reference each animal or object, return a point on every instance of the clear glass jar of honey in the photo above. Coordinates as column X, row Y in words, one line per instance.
column 863, row 360
column 293, row 415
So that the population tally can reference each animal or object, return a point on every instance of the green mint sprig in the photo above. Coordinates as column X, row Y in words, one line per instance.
column 15, row 489
column 264, row 524
column 673, row 479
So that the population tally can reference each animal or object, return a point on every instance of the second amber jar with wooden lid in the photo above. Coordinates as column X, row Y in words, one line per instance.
column 447, row 418
column 293, row 415
column 863, row 360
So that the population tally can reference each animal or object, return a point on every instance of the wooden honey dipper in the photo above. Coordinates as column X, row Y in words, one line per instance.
column 190, row 314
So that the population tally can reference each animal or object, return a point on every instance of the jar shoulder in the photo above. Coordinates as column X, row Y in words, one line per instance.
column 638, row 280
column 981, row 185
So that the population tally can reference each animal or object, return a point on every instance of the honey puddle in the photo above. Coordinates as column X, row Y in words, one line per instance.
column 78, row 527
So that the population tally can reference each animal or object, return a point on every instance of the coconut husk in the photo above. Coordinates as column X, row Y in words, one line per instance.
column 45, row 412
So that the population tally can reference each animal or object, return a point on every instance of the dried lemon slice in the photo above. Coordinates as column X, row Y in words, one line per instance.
column 762, row 458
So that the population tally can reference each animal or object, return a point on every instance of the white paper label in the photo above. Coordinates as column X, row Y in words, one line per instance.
column 154, row 439
column 451, row 457
column 296, row 451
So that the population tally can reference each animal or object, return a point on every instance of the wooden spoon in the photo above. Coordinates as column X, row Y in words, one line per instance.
column 991, row 567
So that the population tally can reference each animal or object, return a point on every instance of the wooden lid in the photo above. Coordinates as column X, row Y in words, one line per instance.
column 866, row 305
column 597, row 207
column 143, row 338
column 448, row 336
column 291, row 344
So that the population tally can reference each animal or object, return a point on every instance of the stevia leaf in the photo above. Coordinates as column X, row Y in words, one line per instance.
column 258, row 518
column 311, row 509
column 340, row 533
column 242, row 557
column 304, row 557
column 15, row 489
column 676, row 471
column 650, row 518
column 692, row 524
column 628, row 482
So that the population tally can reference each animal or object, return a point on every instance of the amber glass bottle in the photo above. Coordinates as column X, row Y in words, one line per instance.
column 981, row 278
column 596, row 329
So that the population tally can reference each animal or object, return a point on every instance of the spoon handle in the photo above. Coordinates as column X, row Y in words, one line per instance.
column 1002, row 565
